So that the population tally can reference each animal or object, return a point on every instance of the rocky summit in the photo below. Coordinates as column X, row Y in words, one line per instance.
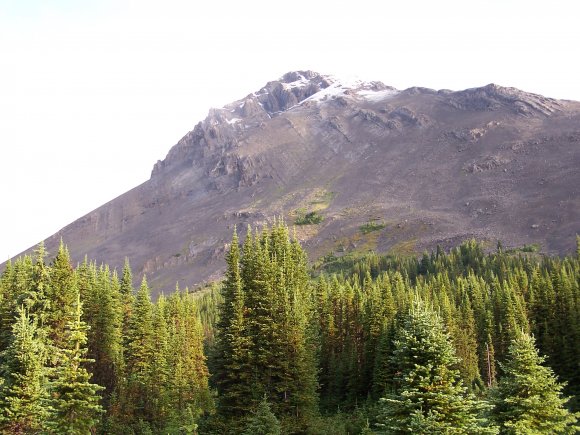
column 361, row 165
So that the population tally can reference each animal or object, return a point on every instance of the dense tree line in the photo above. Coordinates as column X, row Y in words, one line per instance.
column 363, row 311
column 81, row 351
column 457, row 342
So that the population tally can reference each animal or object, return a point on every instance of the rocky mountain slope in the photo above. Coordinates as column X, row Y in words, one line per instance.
column 387, row 170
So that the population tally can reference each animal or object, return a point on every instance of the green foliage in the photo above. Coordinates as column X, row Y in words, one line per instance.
column 310, row 218
column 263, row 421
column 74, row 400
column 534, row 247
column 23, row 393
column 121, row 365
column 334, row 342
column 428, row 397
column 371, row 226
column 264, row 343
column 528, row 397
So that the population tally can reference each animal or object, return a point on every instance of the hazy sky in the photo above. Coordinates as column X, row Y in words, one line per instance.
column 93, row 93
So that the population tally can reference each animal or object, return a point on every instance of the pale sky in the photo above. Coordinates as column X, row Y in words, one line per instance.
column 93, row 93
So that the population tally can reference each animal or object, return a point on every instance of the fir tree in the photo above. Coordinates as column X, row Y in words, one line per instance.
column 429, row 397
column 103, row 311
column 159, row 389
column 265, row 339
column 528, row 397
column 8, row 299
column 62, row 294
column 33, row 296
column 233, row 371
column 263, row 421
column 127, row 296
column 74, row 400
column 23, row 394
column 140, row 352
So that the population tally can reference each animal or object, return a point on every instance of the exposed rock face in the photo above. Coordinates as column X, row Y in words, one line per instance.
column 434, row 167
column 494, row 97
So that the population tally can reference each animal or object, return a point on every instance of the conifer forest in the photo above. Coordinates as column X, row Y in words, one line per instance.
column 469, row 341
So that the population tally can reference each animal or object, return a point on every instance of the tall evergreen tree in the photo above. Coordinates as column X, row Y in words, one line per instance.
column 263, row 421
column 429, row 396
column 34, row 296
column 127, row 296
column 140, row 352
column 62, row 294
column 23, row 393
column 188, row 389
column 232, row 342
column 74, row 399
column 528, row 397
column 160, row 370
column 100, row 298
column 8, row 301
column 265, row 341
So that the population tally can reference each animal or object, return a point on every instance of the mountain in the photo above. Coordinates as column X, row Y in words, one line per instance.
column 386, row 170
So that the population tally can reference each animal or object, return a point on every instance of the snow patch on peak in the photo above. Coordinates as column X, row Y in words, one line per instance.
column 233, row 121
column 353, row 86
column 302, row 81
column 377, row 95
column 333, row 90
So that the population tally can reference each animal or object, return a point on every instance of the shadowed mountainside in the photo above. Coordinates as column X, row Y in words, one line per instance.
column 414, row 168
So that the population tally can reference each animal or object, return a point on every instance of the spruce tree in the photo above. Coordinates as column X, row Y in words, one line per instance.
column 263, row 421
column 33, row 295
column 232, row 343
column 137, row 400
column 160, row 370
column 187, row 389
column 429, row 396
column 127, row 296
column 528, row 397
column 8, row 289
column 62, row 294
column 265, row 339
column 74, row 399
column 102, row 307
column 23, row 393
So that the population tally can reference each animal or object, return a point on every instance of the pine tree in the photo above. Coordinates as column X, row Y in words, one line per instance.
column 233, row 371
column 103, row 313
column 263, row 421
column 528, row 397
column 121, row 307
column 188, row 388
column 74, row 400
column 34, row 295
column 465, row 339
column 62, row 294
column 265, row 340
column 429, row 397
column 8, row 299
column 139, row 354
column 366, row 430
column 160, row 370
column 23, row 394
column 127, row 296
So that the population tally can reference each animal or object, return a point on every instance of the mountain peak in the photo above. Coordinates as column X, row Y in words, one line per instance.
column 423, row 167
column 224, row 127
column 295, row 76
column 492, row 97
